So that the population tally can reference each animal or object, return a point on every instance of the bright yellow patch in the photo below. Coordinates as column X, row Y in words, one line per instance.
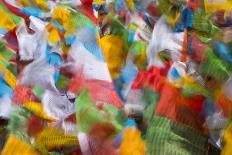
column 98, row 2
column 54, row 137
column 42, row 4
column 6, row 22
column 114, row 53
column 61, row 15
column 215, row 5
column 132, row 143
column 9, row 77
column 53, row 35
column 227, row 148
column 131, row 4
column 133, row 26
column 37, row 109
column 15, row 146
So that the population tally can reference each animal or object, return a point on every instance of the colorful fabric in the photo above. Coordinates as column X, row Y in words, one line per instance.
column 167, row 137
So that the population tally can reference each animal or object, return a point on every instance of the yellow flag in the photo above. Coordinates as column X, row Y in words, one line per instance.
column 227, row 136
column 114, row 53
column 53, row 137
column 9, row 77
column 215, row 5
column 37, row 109
column 132, row 143
column 53, row 35
column 6, row 22
column 16, row 146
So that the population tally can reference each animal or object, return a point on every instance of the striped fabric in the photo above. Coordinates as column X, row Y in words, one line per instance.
column 16, row 146
column 165, row 137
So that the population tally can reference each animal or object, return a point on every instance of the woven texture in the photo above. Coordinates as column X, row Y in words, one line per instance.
column 16, row 146
column 165, row 137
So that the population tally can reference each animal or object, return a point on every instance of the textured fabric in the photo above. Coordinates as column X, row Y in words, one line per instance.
column 227, row 148
column 211, row 6
column 154, row 77
column 91, row 145
column 37, row 109
column 171, row 9
column 151, row 98
column 8, row 21
column 115, row 54
column 52, row 137
column 179, row 109
column 224, row 103
column 132, row 144
column 16, row 146
column 8, row 76
column 94, row 69
column 99, row 90
column 89, row 115
column 163, row 38
column 165, row 137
